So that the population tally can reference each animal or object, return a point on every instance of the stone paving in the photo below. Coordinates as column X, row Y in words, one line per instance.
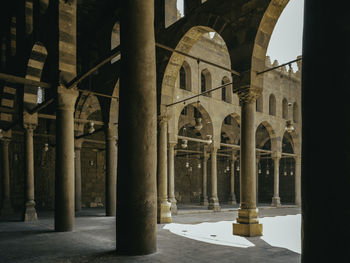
column 93, row 240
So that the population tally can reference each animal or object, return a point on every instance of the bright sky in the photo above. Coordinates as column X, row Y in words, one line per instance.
column 286, row 40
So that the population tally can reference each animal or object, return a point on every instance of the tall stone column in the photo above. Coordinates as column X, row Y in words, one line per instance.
column 163, row 211
column 111, row 172
column 298, row 180
column 64, row 183
column 276, row 201
column 232, row 198
column 29, row 210
column 77, row 166
column 247, row 221
column 6, row 208
column 214, row 200
column 204, row 194
column 171, row 177
column 137, row 137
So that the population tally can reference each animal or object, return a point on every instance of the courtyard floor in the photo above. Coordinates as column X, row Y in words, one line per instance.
column 93, row 239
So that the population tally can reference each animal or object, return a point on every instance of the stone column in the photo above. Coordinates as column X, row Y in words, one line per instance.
column 257, row 177
column 171, row 177
column 163, row 211
column 64, row 183
column 298, row 180
column 77, row 166
column 6, row 208
column 204, row 194
column 276, row 201
column 232, row 198
column 29, row 210
column 214, row 200
column 247, row 221
column 137, row 137
column 111, row 172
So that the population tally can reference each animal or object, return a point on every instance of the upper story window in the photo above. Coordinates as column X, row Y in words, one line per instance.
column 228, row 120
column 182, row 78
column 205, row 82
column 185, row 77
column 272, row 105
column 295, row 112
column 259, row 104
column 226, row 92
column 284, row 109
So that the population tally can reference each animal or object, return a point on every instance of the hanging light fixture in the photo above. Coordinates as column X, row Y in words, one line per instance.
column 289, row 126
column 184, row 143
column 187, row 164
column 190, row 169
column 259, row 168
column 91, row 128
column 237, row 168
column 199, row 166
column 1, row 135
column 267, row 167
column 285, row 171
column 209, row 138
column 198, row 126
column 291, row 168
column 46, row 147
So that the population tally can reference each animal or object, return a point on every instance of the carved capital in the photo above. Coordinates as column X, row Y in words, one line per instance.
column 29, row 127
column 66, row 98
column 242, row 86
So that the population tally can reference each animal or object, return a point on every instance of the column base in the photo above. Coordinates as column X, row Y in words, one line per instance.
column 276, row 202
column 214, row 204
column 173, row 207
column 6, row 208
column 204, row 201
column 232, row 200
column 247, row 223
column 30, row 212
column 164, row 212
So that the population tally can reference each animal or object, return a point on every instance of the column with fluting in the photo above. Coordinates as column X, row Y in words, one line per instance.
column 6, row 208
column 232, row 197
column 214, row 200
column 163, row 206
column 77, row 168
column 137, row 132
column 276, row 201
column 204, row 194
column 247, row 221
column 111, row 172
column 29, row 209
column 64, row 183
column 171, row 177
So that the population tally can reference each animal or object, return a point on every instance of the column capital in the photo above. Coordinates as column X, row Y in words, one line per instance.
column 162, row 119
column 172, row 144
column 29, row 127
column 276, row 155
column 297, row 159
column 242, row 86
column 78, row 143
column 66, row 98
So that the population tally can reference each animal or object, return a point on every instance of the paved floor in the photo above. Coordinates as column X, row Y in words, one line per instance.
column 93, row 240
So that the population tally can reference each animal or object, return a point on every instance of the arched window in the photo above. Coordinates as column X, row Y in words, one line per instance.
column 272, row 105
column 284, row 109
column 259, row 104
column 295, row 112
column 115, row 40
column 226, row 92
column 205, row 82
column 182, row 78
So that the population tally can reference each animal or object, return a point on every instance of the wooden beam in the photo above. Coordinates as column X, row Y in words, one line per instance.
column 20, row 80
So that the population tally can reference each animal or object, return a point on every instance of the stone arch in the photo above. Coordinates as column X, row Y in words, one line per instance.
column 43, row 5
column 231, row 130
column 115, row 40
column 226, row 92
column 29, row 16
column 284, row 108
column 34, row 71
column 185, row 77
column 295, row 112
column 13, row 35
column 87, row 105
column 262, row 39
column 272, row 105
column 272, row 135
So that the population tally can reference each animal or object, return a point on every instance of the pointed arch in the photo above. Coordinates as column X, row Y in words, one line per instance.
column 226, row 92
column 284, row 108
column 272, row 105
column 185, row 77
column 206, row 81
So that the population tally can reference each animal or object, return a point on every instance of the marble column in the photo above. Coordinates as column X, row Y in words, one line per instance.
column 276, row 201
column 247, row 221
column 171, row 177
column 77, row 167
column 214, row 200
column 29, row 210
column 232, row 198
column 6, row 208
column 298, row 180
column 137, row 132
column 257, row 177
column 64, row 183
column 111, row 172
column 204, row 194
column 163, row 206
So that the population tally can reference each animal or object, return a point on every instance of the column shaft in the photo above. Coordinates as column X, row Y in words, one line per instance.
column 111, row 173
column 257, row 178
column 6, row 208
column 171, row 177
column 137, row 166
column 77, row 183
column 29, row 211
column 247, row 221
column 204, row 195
column 214, row 201
column 298, row 181
column 64, row 183
column 232, row 198
column 163, row 212
column 276, row 201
